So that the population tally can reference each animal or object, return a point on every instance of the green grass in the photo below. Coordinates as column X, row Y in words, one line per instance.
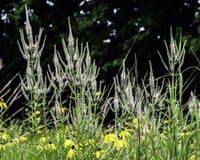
column 133, row 141
column 150, row 120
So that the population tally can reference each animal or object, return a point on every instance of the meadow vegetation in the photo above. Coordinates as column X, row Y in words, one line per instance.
column 67, row 108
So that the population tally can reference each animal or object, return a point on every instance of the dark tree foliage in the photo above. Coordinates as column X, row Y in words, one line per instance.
column 113, row 28
column 145, row 24
column 52, row 16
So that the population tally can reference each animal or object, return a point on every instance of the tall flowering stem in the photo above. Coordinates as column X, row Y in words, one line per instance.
column 33, row 85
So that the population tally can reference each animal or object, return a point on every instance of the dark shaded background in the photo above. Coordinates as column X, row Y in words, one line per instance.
column 112, row 28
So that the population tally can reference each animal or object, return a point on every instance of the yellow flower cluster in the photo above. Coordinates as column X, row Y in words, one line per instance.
column 99, row 153
column 71, row 146
column 192, row 157
column 68, row 143
column 108, row 138
column 62, row 109
column 3, row 105
column 4, row 136
column 119, row 142
column 46, row 145
column 36, row 113
column 50, row 146
column 108, row 142
column 2, row 147
column 98, row 93
column 8, row 142
column 71, row 152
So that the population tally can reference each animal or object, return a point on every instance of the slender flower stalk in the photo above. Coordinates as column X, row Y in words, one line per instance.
column 34, row 86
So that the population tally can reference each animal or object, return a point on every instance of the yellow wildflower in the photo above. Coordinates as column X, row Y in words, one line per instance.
column 4, row 136
column 16, row 140
column 22, row 138
column 11, row 143
column 71, row 153
column 192, row 157
column 39, row 131
column 68, row 143
column 2, row 147
column 99, row 153
column 185, row 132
column 135, row 122
column 3, row 105
column 39, row 147
column 98, row 93
column 120, row 143
column 124, row 133
column 62, row 109
column 109, row 138
column 50, row 146
column 43, row 139
column 36, row 113
column 182, row 134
